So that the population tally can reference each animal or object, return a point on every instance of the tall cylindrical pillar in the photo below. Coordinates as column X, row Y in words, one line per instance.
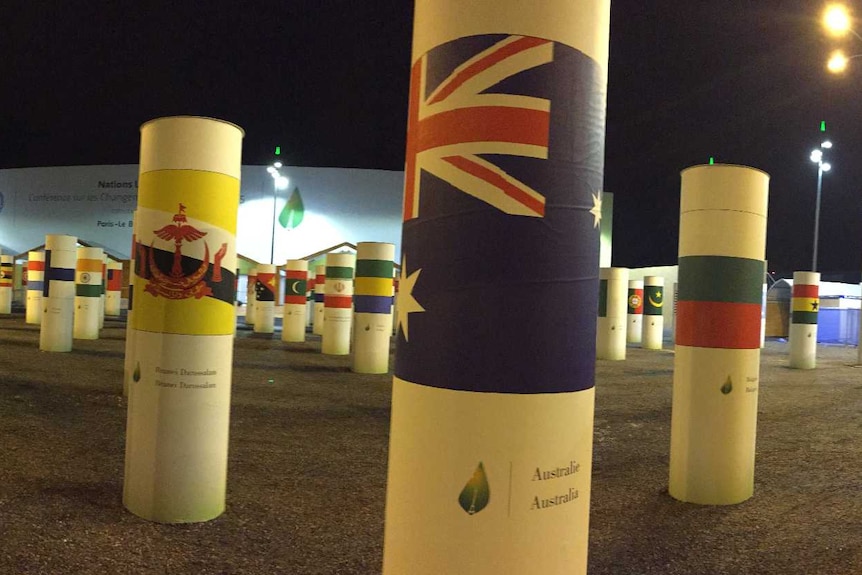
column 722, row 244
column 58, row 297
column 635, row 311
column 338, row 304
column 250, row 296
column 264, row 299
column 179, row 396
column 492, row 406
column 293, row 321
column 88, row 293
column 134, row 263
column 319, row 297
column 653, row 320
column 309, row 286
column 114, row 288
column 35, row 286
column 103, row 293
column 804, row 308
column 372, row 302
column 611, row 327
column 7, row 274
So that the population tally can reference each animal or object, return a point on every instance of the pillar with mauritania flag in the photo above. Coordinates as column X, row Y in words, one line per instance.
column 653, row 320
column 184, row 317
column 88, row 293
column 804, row 308
column 293, row 321
column 372, row 302
column 338, row 304
column 58, row 295
column 264, row 299
column 7, row 269
column 634, row 327
column 492, row 406
column 319, row 297
column 114, row 288
column 35, row 285
column 722, row 245
column 611, row 325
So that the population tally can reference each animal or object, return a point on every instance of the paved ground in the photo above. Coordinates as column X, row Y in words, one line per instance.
column 307, row 469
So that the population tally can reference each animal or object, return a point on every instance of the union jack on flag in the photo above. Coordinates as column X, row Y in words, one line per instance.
column 456, row 122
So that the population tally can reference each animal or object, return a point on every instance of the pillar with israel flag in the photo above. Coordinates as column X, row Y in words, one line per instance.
column 113, row 288
column 264, row 299
column 634, row 327
column 492, row 408
column 184, row 318
column 716, row 376
column 7, row 269
column 35, row 285
column 804, row 308
column 611, row 325
column 293, row 321
column 88, row 293
column 338, row 304
column 653, row 320
column 58, row 295
column 372, row 302
column 319, row 298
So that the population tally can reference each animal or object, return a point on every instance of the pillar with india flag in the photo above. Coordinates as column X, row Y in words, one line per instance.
column 372, row 303
column 338, row 304
column 653, row 320
column 114, row 288
column 611, row 325
column 293, row 321
column 264, row 299
column 716, row 376
column 58, row 294
column 35, row 285
column 319, row 297
column 492, row 408
column 88, row 293
column 804, row 308
column 179, row 395
column 634, row 327
column 7, row 269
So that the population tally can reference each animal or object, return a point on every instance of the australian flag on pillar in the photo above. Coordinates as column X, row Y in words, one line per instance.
column 502, row 203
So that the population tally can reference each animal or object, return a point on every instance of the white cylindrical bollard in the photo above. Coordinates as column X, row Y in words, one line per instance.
column 58, row 298
column 35, row 286
column 653, row 320
column 114, row 288
column 264, row 299
column 611, row 327
column 319, row 298
column 295, row 301
column 7, row 274
column 338, row 304
column 372, row 301
column 88, row 293
column 804, row 308
column 250, row 296
column 634, row 327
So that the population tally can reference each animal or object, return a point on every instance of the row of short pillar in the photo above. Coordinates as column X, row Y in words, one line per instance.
column 630, row 311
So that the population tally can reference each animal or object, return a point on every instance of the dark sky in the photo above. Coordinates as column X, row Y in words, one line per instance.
column 743, row 81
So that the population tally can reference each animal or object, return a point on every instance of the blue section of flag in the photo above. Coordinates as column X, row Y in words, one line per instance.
column 372, row 304
column 35, row 285
column 318, row 297
column 510, row 301
column 57, row 274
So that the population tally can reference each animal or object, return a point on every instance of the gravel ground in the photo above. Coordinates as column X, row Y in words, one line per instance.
column 307, row 469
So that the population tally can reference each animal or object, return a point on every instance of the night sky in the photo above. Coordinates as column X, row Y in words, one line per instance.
column 327, row 80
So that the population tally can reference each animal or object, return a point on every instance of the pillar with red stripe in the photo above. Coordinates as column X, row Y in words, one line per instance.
column 7, row 268
column 35, row 285
column 293, row 321
column 804, row 308
column 338, row 304
column 264, row 299
column 319, row 296
column 309, row 286
column 722, row 245
column 114, row 288
column 250, row 302
column 636, row 311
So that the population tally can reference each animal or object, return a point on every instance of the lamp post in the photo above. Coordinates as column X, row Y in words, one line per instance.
column 817, row 158
column 836, row 21
column 279, row 182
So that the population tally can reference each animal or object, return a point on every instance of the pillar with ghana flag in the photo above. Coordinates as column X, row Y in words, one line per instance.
column 179, row 395
column 804, row 307
column 295, row 301
column 492, row 408
column 35, row 285
column 722, row 245
column 653, row 320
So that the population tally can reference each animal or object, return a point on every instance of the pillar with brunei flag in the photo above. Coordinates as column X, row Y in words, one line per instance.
column 804, row 308
column 114, row 288
column 7, row 269
column 293, row 321
column 492, row 407
column 58, row 295
column 611, row 325
column 338, row 304
column 722, row 245
column 653, row 320
column 634, row 327
column 319, row 297
column 264, row 299
column 88, row 293
column 35, row 285
column 179, row 396
column 372, row 303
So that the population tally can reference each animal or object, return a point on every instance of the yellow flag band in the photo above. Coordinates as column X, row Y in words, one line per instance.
column 805, row 303
column 372, row 286
column 88, row 265
column 164, row 190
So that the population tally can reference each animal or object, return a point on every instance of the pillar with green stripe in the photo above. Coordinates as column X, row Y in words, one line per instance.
column 265, row 289
column 183, row 320
column 372, row 301
column 722, row 246
column 88, row 293
column 319, row 298
column 613, row 310
column 294, row 321
column 338, row 304
column 7, row 269
column 653, row 320
column 804, row 308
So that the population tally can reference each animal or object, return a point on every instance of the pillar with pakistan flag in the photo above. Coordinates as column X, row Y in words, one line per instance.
column 611, row 325
column 492, row 407
column 88, row 293
column 338, row 304
column 372, row 303
column 293, row 321
column 634, row 327
column 722, row 244
column 58, row 295
column 804, row 307
column 653, row 320
column 179, row 396
column 114, row 288
column 7, row 269
column 35, row 285
column 264, row 299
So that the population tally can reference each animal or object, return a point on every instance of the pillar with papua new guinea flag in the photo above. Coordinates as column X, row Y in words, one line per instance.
column 722, row 245
column 134, row 262
column 179, row 397
column 338, row 304
column 293, row 321
column 35, row 285
column 7, row 269
column 653, row 320
column 804, row 308
column 264, row 299
column 372, row 304
column 250, row 296
column 492, row 408
column 88, row 293
column 319, row 297
column 613, row 306
column 634, row 327
column 114, row 288
column 58, row 294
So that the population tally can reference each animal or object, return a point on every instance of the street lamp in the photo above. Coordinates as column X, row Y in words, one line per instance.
column 279, row 182
column 836, row 21
column 817, row 158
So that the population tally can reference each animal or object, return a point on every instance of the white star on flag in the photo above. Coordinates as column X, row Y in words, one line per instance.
column 407, row 304
column 596, row 210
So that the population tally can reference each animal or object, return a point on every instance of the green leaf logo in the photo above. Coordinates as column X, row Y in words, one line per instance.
column 293, row 212
column 476, row 494
column 727, row 387
column 136, row 376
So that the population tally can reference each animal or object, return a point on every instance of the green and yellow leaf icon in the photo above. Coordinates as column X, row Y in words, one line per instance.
column 136, row 376
column 293, row 212
column 727, row 387
column 476, row 494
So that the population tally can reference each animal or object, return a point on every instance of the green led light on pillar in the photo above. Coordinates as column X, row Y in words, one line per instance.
column 711, row 161
column 278, row 150
column 822, row 125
